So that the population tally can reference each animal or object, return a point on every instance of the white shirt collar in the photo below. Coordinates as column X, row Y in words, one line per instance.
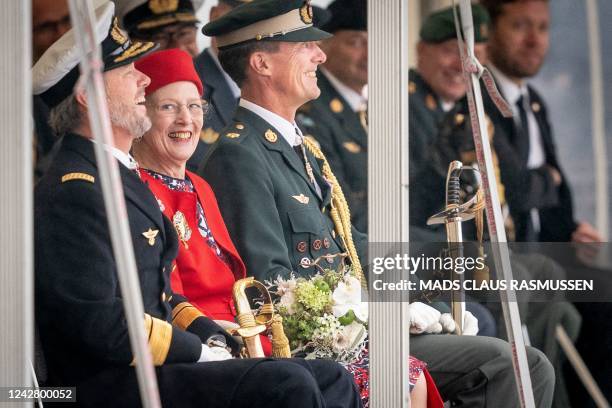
column 233, row 86
column 124, row 158
column 509, row 89
column 355, row 100
column 286, row 128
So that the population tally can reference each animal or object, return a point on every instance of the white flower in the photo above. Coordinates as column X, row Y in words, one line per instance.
column 288, row 302
column 349, row 337
column 347, row 296
column 284, row 286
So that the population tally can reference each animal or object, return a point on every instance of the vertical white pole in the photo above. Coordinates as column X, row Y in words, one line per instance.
column 388, row 190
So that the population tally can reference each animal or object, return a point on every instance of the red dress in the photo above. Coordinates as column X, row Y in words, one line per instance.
column 208, row 263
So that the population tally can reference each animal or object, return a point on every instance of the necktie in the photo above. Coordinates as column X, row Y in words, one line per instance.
column 301, row 152
column 522, row 141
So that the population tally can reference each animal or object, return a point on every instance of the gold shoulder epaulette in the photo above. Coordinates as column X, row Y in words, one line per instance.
column 78, row 176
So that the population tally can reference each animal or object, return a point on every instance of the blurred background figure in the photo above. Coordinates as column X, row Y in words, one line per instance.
column 338, row 118
column 50, row 20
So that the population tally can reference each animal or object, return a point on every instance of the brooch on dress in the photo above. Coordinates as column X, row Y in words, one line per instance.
column 182, row 228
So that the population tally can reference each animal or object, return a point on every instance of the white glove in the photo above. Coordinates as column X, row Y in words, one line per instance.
column 448, row 323
column 214, row 354
column 423, row 319
column 470, row 324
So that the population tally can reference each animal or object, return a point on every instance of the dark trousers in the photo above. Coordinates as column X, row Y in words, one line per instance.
column 269, row 383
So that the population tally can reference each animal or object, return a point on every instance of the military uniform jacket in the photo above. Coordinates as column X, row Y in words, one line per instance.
column 271, row 209
column 79, row 305
column 221, row 105
column 344, row 141
column 425, row 118
column 533, row 188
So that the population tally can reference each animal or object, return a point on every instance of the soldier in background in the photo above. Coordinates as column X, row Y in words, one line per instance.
column 50, row 20
column 338, row 118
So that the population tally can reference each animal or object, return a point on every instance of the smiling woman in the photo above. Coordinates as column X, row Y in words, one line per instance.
column 207, row 264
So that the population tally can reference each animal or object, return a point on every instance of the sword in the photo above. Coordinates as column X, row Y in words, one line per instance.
column 473, row 70
column 452, row 216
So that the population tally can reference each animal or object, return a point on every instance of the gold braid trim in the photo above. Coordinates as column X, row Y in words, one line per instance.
column 184, row 314
column 159, row 336
column 340, row 213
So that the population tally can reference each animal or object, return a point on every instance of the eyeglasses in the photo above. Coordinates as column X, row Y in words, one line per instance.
column 195, row 108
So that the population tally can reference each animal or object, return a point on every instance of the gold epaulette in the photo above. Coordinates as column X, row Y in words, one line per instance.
column 184, row 314
column 78, row 176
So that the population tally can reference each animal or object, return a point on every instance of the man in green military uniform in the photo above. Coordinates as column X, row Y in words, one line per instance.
column 338, row 118
column 440, row 102
column 275, row 194
column 270, row 186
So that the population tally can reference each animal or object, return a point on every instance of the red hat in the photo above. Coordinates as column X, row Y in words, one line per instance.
column 168, row 66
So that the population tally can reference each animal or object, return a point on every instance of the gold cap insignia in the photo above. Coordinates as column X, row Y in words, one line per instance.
column 270, row 136
column 182, row 228
column 430, row 102
column 412, row 88
column 232, row 135
column 535, row 107
column 459, row 119
column 302, row 198
column 150, row 235
column 117, row 34
column 163, row 6
column 209, row 136
column 352, row 147
column 78, row 176
column 306, row 13
column 336, row 106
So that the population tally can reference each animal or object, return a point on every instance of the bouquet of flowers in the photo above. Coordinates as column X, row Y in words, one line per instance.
column 323, row 316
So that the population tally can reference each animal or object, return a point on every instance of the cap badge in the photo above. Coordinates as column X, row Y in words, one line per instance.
column 336, row 106
column 117, row 34
column 209, row 136
column 182, row 228
column 163, row 6
column 352, row 147
column 270, row 136
column 301, row 198
column 306, row 13
column 150, row 235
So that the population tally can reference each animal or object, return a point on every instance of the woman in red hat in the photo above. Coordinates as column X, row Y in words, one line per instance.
column 207, row 264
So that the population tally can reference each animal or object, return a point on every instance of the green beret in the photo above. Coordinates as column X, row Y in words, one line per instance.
column 440, row 26
column 267, row 20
